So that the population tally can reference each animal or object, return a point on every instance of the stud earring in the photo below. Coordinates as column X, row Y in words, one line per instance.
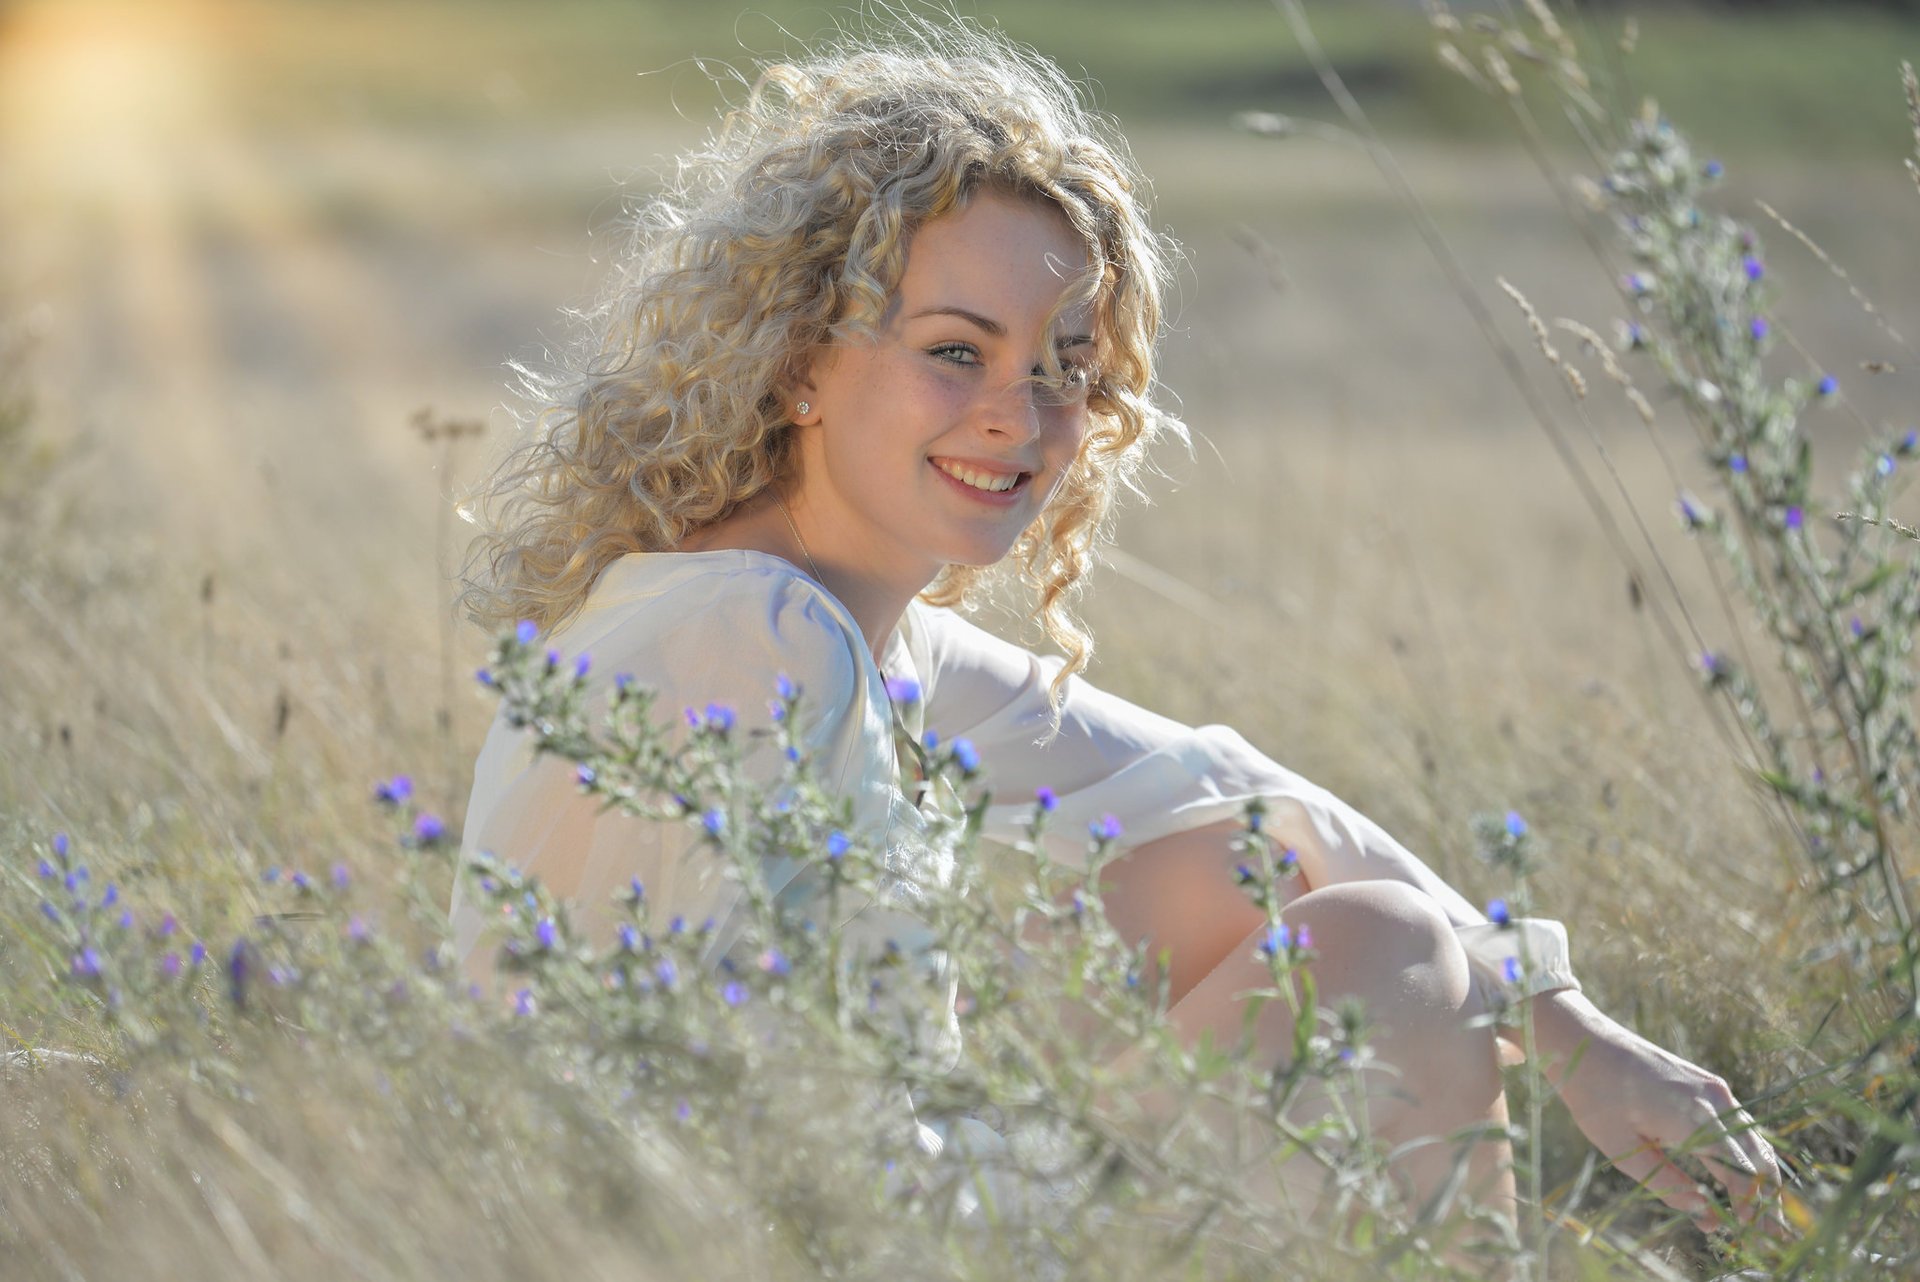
column 802, row 408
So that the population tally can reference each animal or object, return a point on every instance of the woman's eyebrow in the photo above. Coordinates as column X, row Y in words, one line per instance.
column 993, row 327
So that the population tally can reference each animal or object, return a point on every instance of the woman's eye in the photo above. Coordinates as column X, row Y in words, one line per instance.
column 956, row 353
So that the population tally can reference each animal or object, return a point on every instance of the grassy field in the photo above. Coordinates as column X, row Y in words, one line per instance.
column 243, row 244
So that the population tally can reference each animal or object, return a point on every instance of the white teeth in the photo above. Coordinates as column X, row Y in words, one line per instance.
column 980, row 480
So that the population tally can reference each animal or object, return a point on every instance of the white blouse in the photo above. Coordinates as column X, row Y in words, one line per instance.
column 722, row 626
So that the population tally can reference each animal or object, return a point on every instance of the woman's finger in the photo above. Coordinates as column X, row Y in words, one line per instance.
column 1651, row 1169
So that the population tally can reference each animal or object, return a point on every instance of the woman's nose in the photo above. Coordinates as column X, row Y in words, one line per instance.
column 1014, row 411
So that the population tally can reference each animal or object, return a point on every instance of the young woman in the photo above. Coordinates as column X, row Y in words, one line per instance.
column 893, row 329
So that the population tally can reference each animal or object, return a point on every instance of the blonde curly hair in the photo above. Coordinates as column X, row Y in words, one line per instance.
column 789, row 230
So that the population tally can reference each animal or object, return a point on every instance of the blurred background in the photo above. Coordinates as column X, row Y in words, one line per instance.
column 249, row 249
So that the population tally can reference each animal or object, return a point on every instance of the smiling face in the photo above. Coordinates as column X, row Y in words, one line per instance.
column 928, row 444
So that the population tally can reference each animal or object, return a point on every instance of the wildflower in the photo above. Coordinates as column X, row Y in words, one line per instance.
column 930, row 741
column 1635, row 336
column 1691, row 515
column 1795, row 518
column 86, row 964
column 667, row 972
column 719, row 717
column 734, row 993
column 75, row 877
column 629, row 938
column 111, row 897
column 837, row 845
column 60, row 845
column 1856, row 627
column 966, row 755
column 792, row 753
column 1828, row 385
column 1712, row 169
column 683, row 1110
column 777, row 711
column 1638, row 283
column 1105, row 828
column 903, row 690
column 546, row 933
column 775, row 962
column 526, row 632
column 784, row 687
column 1754, row 268
column 621, row 680
column 1276, row 941
column 393, row 791
column 357, row 929
column 637, row 891
column 1079, row 904
column 1289, row 860
column 46, row 870
column 1884, row 465
column 1516, row 826
column 585, row 776
column 168, row 926
column 553, row 660
column 1303, row 939
column 1511, row 969
column 341, row 877
column 302, row 882
column 1045, row 799
column 125, row 921
column 581, row 666
column 239, row 970
column 198, row 953
column 1911, row 441
column 1244, row 874
column 1737, row 463
column 1758, row 327
column 483, row 676
column 523, row 1002
column 678, row 926
column 1498, row 913
column 714, row 821
column 428, row 828
column 708, row 926
column 170, row 965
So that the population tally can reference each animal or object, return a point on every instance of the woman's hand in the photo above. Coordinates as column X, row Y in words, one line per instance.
column 1643, row 1107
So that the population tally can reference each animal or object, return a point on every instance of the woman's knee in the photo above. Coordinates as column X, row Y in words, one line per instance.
column 1386, row 941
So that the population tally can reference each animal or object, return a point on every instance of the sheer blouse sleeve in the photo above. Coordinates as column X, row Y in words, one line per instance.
column 699, row 638
column 1159, row 777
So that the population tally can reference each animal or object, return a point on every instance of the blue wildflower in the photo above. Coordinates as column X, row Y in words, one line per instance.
column 621, row 680
column 582, row 666
column 784, row 687
column 1827, row 385
column 523, row 1004
column 170, row 965
column 357, row 929
column 1511, row 969
column 1911, row 441
column 734, row 993
column 553, row 660
column 719, row 717
column 637, row 890
column 125, row 921
column 47, row 870
column 1758, row 327
column 341, row 877
column 1795, row 518
column 837, row 844
column 1498, row 912
column 930, row 741
column 428, row 828
column 75, row 878
column 775, row 962
column 239, row 971
column 60, row 845
column 903, row 690
column 966, row 755
column 1244, row 874
column 585, row 776
column 198, row 953
column 393, row 791
column 168, row 926
column 302, row 882
column 1754, row 268
column 714, row 821
column 546, row 933
column 1046, row 800
column 111, row 897
column 683, row 1110
column 1737, row 463
column 677, row 926
column 1105, row 828
column 629, row 938
column 1276, row 940
column 1516, row 826
column 1884, row 465
column 51, row 913
column 483, row 676
column 1713, row 169
column 86, row 964
column 666, row 972
column 526, row 632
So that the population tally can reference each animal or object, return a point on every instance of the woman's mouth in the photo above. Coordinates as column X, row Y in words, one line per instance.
column 983, row 484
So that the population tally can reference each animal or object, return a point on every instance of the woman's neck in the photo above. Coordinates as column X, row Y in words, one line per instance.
column 761, row 525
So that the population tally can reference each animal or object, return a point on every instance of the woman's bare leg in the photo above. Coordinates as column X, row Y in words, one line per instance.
column 1389, row 946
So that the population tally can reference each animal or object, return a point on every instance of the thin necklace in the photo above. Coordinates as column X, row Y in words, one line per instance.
column 811, row 565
